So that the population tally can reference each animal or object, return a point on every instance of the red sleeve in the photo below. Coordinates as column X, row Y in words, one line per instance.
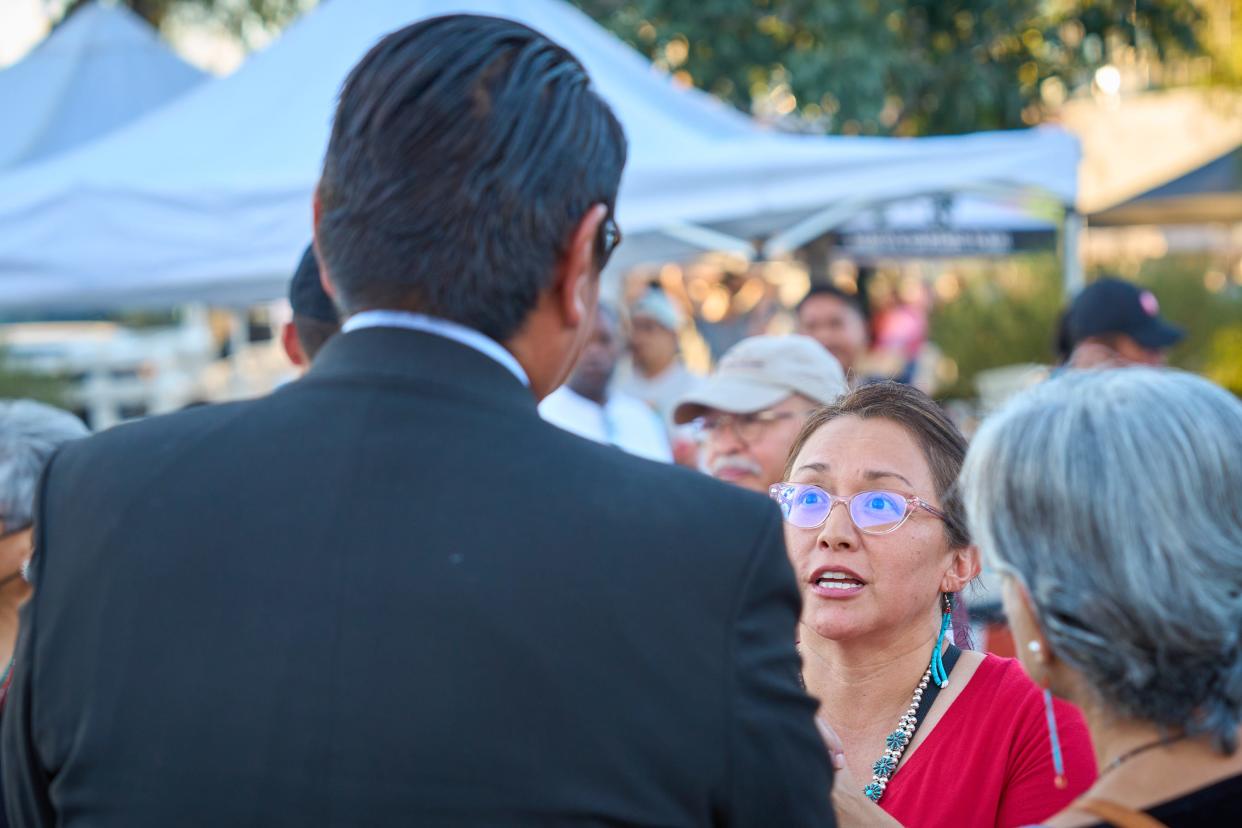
column 1030, row 794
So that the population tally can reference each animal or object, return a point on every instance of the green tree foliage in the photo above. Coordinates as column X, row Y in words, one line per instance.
column 16, row 384
column 901, row 67
column 250, row 21
column 1007, row 312
column 1212, row 318
column 876, row 67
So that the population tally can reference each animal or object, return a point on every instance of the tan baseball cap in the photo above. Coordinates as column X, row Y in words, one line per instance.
column 759, row 372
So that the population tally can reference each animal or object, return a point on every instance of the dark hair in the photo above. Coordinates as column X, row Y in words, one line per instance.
column 307, row 297
column 942, row 443
column 313, row 333
column 833, row 292
column 464, row 151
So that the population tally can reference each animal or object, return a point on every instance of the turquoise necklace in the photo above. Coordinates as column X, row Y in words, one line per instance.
column 895, row 743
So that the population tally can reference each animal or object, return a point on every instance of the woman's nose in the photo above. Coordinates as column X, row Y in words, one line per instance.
column 838, row 531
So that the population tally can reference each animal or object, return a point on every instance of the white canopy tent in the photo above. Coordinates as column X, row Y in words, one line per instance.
column 100, row 70
column 209, row 199
column 788, row 190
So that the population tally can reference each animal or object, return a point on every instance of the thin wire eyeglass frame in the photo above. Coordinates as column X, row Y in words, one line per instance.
column 745, row 427
column 779, row 491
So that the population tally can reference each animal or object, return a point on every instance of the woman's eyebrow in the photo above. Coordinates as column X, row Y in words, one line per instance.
column 876, row 474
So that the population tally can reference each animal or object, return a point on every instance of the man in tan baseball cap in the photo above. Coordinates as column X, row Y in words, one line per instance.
column 749, row 411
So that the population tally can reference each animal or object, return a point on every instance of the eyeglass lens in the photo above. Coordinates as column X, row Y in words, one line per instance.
column 807, row 507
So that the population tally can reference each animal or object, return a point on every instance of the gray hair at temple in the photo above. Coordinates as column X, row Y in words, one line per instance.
column 1113, row 497
column 30, row 433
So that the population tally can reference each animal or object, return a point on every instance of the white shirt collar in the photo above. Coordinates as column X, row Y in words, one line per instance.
column 440, row 327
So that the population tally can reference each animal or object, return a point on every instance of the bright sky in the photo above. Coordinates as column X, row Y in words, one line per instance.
column 23, row 23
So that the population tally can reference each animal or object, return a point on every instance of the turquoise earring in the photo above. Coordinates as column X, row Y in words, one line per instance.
column 1058, row 761
column 938, row 673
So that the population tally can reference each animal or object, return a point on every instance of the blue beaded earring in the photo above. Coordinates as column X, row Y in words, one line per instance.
column 1058, row 761
column 1058, row 764
column 938, row 673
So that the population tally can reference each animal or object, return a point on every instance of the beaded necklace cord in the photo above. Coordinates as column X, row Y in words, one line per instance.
column 935, row 677
column 1163, row 741
column 896, row 743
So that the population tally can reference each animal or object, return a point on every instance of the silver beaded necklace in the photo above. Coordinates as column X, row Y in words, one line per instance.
column 896, row 743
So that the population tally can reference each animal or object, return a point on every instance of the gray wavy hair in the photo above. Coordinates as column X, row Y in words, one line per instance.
column 30, row 433
column 1113, row 496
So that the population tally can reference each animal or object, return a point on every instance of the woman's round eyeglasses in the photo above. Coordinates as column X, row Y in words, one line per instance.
column 874, row 512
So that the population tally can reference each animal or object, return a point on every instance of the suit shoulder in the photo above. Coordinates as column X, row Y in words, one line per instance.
column 136, row 442
column 644, row 484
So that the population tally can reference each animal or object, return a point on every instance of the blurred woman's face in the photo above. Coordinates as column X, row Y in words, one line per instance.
column 856, row 584
column 653, row 345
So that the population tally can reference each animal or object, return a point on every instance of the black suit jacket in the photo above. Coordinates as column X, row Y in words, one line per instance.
column 389, row 594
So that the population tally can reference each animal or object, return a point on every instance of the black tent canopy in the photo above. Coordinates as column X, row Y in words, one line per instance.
column 1208, row 194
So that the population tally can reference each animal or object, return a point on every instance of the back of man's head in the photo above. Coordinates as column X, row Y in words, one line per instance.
column 464, row 152
column 315, row 319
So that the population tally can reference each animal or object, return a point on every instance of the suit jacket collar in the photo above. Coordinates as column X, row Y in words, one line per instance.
column 403, row 355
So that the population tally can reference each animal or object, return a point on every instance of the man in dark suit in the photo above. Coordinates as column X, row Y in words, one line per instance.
column 390, row 594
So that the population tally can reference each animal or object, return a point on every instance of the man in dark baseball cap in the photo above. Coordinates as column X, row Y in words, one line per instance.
column 315, row 319
column 1113, row 323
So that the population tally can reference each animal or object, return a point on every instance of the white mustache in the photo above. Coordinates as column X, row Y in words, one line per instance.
column 744, row 465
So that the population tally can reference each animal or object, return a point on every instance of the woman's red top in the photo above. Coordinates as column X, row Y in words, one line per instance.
column 988, row 761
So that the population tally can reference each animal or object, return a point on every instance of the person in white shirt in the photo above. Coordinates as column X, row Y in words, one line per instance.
column 655, row 373
column 585, row 407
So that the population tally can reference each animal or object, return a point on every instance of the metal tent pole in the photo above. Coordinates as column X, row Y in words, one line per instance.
column 1072, row 226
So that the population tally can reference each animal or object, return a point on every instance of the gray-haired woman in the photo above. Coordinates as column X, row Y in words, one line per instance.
column 1112, row 504
column 30, row 433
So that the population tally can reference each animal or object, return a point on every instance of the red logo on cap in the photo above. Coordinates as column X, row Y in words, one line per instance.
column 1148, row 300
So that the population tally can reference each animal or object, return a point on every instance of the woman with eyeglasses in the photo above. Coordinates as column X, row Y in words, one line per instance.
column 1109, row 504
column 924, row 731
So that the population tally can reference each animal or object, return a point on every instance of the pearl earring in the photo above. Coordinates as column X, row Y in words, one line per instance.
column 1034, row 647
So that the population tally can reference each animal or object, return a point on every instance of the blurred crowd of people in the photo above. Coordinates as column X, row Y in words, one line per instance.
column 439, row 580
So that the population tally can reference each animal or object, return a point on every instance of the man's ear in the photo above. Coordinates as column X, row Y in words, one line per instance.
column 293, row 345
column 316, row 214
column 577, row 284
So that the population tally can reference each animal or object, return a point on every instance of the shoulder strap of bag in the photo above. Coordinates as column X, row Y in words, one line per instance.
column 1117, row 815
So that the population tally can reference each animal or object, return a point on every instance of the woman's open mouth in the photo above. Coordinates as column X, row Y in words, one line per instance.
column 836, row 583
